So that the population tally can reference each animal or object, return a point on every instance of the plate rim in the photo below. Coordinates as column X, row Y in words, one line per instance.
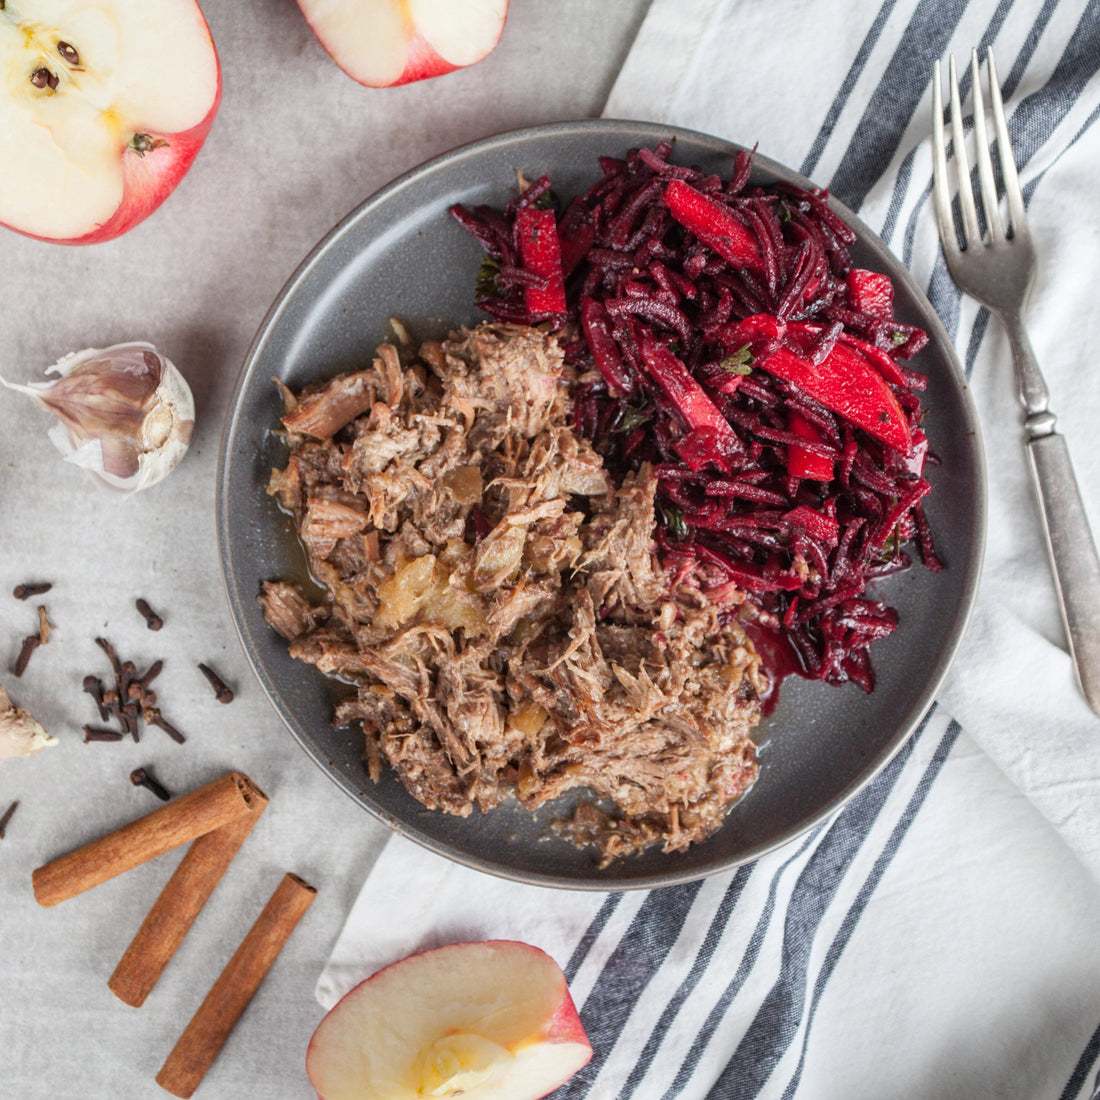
column 647, row 132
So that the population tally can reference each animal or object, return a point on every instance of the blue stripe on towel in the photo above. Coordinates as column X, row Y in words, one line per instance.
column 1038, row 114
column 851, row 918
column 748, row 960
column 1009, row 84
column 1033, row 183
column 698, row 968
column 1010, row 81
column 904, row 83
column 836, row 845
column 1085, row 1065
column 591, row 934
column 780, row 1013
column 1037, row 122
column 637, row 957
column 840, row 100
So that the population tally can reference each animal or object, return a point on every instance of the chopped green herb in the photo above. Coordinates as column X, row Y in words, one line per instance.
column 632, row 416
column 892, row 546
column 897, row 337
column 487, row 274
column 740, row 362
column 673, row 518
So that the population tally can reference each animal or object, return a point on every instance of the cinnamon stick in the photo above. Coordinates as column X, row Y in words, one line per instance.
column 178, row 822
column 209, row 1028
column 179, row 903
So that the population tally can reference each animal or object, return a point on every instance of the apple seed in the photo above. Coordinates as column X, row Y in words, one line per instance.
column 43, row 78
column 68, row 53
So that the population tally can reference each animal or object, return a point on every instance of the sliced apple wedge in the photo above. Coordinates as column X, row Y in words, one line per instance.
column 381, row 43
column 104, row 107
column 476, row 1020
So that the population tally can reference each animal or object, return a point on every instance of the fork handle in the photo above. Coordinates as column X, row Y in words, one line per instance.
column 1032, row 386
column 1072, row 555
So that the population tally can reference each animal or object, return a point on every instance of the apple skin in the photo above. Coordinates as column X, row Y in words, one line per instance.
column 422, row 64
column 150, row 177
column 422, row 60
column 561, row 1028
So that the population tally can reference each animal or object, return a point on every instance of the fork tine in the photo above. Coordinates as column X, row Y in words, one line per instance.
column 944, row 219
column 981, row 154
column 1004, row 150
column 971, row 230
column 939, row 166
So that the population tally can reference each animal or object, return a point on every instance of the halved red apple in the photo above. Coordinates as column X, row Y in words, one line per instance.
column 385, row 42
column 476, row 1020
column 104, row 107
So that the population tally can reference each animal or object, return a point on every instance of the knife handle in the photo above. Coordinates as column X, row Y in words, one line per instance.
column 1073, row 557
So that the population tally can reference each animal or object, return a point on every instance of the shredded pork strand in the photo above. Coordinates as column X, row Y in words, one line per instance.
column 497, row 601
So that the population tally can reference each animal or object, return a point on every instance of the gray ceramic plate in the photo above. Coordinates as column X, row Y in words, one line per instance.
column 401, row 254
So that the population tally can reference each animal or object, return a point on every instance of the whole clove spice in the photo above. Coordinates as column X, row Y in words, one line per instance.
column 94, row 687
column 141, row 698
column 6, row 817
column 99, row 733
column 140, row 777
column 129, row 715
column 153, row 717
column 152, row 620
column 150, row 674
column 127, row 673
column 26, row 591
column 130, row 701
column 112, row 656
column 30, row 643
column 223, row 692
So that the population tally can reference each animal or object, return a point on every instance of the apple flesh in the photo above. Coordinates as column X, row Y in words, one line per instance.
column 381, row 43
column 105, row 105
column 476, row 1020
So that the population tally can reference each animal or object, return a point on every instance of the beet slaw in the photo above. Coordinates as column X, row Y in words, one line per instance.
column 721, row 333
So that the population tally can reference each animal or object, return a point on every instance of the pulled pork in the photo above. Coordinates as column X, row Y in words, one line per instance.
column 497, row 603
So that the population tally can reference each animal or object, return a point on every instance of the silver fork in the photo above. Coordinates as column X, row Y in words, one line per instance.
column 999, row 274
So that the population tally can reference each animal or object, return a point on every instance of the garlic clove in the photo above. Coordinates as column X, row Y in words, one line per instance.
column 20, row 734
column 125, row 413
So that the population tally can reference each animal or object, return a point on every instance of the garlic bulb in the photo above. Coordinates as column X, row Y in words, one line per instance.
column 20, row 734
column 125, row 413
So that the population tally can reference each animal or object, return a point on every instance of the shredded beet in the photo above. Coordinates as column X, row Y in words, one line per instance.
column 721, row 333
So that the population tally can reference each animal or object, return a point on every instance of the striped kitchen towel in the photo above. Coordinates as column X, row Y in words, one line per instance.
column 938, row 936
column 935, row 940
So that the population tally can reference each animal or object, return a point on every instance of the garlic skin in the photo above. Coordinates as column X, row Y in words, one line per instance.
column 125, row 413
column 20, row 734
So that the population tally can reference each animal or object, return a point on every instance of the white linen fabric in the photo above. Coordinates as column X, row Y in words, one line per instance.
column 938, row 936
